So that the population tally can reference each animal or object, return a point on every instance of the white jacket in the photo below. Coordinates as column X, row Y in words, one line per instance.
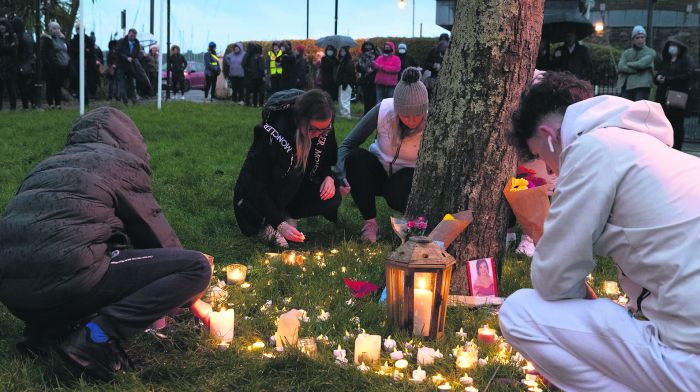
column 623, row 192
column 388, row 140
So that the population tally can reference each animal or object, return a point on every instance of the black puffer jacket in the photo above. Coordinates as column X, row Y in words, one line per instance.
column 73, row 208
column 8, row 52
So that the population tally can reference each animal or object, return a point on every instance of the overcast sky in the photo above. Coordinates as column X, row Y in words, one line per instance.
column 196, row 22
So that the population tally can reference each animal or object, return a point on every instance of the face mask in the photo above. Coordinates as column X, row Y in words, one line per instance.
column 329, row 53
column 402, row 51
column 387, row 50
column 673, row 50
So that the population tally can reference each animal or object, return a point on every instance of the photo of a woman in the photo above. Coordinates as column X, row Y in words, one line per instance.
column 482, row 280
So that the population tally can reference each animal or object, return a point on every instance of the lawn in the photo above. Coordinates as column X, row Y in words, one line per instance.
column 197, row 153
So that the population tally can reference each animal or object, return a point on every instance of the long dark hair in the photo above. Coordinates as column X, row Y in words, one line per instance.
column 312, row 105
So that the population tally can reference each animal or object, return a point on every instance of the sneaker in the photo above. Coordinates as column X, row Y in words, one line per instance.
column 292, row 222
column 269, row 234
column 369, row 230
column 526, row 246
column 182, row 97
column 94, row 353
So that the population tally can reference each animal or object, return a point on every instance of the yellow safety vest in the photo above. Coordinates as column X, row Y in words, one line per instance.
column 274, row 68
column 215, row 59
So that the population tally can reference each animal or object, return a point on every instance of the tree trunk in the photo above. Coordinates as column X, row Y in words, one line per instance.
column 465, row 158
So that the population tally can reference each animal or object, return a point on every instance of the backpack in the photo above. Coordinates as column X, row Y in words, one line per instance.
column 277, row 110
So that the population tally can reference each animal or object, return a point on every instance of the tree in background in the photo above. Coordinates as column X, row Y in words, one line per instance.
column 465, row 158
column 64, row 12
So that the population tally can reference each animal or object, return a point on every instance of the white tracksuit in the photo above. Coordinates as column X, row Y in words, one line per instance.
column 622, row 192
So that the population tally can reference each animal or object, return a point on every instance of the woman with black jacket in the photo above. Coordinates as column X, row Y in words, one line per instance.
column 329, row 68
column 287, row 173
column 346, row 81
column 675, row 73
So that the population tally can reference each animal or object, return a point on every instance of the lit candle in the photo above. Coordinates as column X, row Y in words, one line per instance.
column 438, row 378
column 221, row 325
column 418, row 375
column 611, row 288
column 445, row 387
column 398, row 375
column 385, row 369
column 534, row 389
column 236, row 273
column 222, row 346
column 257, row 345
column 470, row 389
column 487, row 335
column 401, row 364
column 529, row 368
column 462, row 334
column 339, row 353
column 466, row 380
column 291, row 257
column 467, row 359
column 389, row 344
column 396, row 355
column 287, row 329
column 529, row 383
column 367, row 348
column 422, row 308
column 426, row 356
column 363, row 367
column 307, row 346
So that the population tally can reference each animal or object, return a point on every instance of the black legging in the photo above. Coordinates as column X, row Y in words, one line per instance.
column 237, row 88
column 255, row 89
column 55, row 77
column 25, row 90
column 9, row 84
column 210, row 86
column 676, row 117
column 368, row 179
column 178, row 83
column 369, row 96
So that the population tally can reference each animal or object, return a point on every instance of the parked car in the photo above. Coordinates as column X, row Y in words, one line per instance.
column 194, row 76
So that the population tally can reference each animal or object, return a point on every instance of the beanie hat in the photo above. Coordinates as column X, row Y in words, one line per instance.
column 402, row 47
column 410, row 95
column 638, row 30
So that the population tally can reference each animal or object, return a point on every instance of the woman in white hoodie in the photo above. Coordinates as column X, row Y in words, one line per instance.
column 624, row 193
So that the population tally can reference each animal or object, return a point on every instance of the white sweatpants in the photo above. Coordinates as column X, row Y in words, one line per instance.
column 344, row 96
column 594, row 345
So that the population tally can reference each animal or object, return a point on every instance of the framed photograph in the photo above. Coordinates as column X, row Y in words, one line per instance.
column 482, row 278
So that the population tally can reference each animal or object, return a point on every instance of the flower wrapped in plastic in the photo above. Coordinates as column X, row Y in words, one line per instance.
column 528, row 197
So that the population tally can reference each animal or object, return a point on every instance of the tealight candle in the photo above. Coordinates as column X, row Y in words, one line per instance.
column 438, row 378
column 529, row 368
column 222, row 346
column 287, row 329
column 487, row 335
column 529, row 383
column 534, row 389
column 611, row 288
column 236, row 273
column 422, row 308
column 384, row 369
column 389, row 344
column 461, row 334
column 398, row 375
column 467, row 359
column 339, row 353
column 221, row 325
column 367, row 348
column 363, row 367
column 257, row 345
column 426, row 356
column 307, row 346
column 291, row 257
column 396, row 355
column 470, row 389
column 418, row 375
column 401, row 364
column 445, row 387
column 466, row 380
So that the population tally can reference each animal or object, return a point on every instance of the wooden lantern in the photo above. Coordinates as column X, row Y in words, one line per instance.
column 418, row 277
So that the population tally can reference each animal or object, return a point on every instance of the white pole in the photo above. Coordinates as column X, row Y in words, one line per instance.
column 81, row 61
column 159, row 99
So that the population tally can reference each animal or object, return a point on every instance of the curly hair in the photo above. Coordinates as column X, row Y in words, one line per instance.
column 553, row 93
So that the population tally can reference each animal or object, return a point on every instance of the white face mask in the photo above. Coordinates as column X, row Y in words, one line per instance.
column 673, row 50
column 329, row 53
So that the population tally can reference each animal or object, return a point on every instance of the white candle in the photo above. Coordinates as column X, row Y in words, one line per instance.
column 426, row 356
column 467, row 359
column 422, row 308
column 470, row 389
column 611, row 288
column 398, row 375
column 401, row 364
column 363, row 367
column 466, row 380
column 221, row 325
column 462, row 334
column 389, row 344
column 367, row 348
column 236, row 273
column 445, row 387
column 339, row 353
column 438, row 378
column 396, row 355
column 287, row 329
column 418, row 375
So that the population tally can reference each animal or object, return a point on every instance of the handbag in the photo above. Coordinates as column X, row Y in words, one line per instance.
column 676, row 99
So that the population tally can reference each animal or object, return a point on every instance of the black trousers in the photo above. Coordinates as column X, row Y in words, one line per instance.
column 255, row 96
column 178, row 83
column 676, row 117
column 636, row 94
column 127, row 86
column 368, row 179
column 238, row 88
column 55, row 76
column 139, row 287
column 276, row 83
column 369, row 96
column 9, row 84
column 25, row 86
column 210, row 86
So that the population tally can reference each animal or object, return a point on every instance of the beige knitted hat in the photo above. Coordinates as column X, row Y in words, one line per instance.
column 410, row 95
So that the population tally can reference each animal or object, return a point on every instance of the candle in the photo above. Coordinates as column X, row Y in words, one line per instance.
column 470, row 389
column 461, row 334
column 235, row 273
column 438, row 378
column 487, row 335
column 245, row 285
column 445, row 387
column 222, row 346
column 426, row 356
column 389, row 344
column 339, row 352
column 398, row 375
column 291, row 257
column 287, row 329
column 623, row 300
column 307, row 346
column 385, row 369
column 418, row 375
column 422, row 308
column 611, row 288
column 367, row 348
column 467, row 359
column 466, row 380
column 401, row 364
column 363, row 367
column 529, row 383
column 221, row 325
column 534, row 389
column 529, row 369
column 396, row 355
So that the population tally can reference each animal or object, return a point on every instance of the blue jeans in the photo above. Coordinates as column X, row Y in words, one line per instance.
column 384, row 92
column 636, row 94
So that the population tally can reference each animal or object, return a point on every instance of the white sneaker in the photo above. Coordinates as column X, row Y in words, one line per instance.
column 269, row 234
column 526, row 246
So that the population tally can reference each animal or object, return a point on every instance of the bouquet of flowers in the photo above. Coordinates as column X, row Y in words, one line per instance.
column 450, row 227
column 404, row 227
column 527, row 196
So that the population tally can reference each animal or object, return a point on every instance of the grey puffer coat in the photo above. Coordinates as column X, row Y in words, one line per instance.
column 73, row 209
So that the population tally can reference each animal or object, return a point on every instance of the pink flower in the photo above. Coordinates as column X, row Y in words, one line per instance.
column 422, row 225
column 421, row 219
column 411, row 225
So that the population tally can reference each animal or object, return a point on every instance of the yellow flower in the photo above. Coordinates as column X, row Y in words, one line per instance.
column 448, row 217
column 518, row 184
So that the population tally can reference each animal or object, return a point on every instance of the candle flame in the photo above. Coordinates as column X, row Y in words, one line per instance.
column 421, row 284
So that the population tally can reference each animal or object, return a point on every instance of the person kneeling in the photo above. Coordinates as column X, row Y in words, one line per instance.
column 87, row 258
column 287, row 173
column 387, row 168
column 623, row 193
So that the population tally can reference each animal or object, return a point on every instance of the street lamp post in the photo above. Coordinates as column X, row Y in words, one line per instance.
column 336, row 18
column 402, row 5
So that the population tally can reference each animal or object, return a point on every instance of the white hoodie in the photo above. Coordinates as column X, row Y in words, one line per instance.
column 623, row 192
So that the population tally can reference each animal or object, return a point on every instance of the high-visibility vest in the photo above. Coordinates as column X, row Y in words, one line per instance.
column 274, row 68
column 214, row 60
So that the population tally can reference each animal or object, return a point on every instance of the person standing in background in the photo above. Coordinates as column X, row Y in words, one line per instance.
column 406, row 59
column 289, row 65
column 54, row 58
column 302, row 66
column 573, row 57
column 233, row 69
column 433, row 63
column 636, row 68
column 150, row 65
column 346, row 81
column 25, row 62
column 329, row 66
column 178, row 65
column 368, row 54
column 129, row 50
column 112, row 63
column 8, row 63
column 212, row 69
column 275, row 69
column 387, row 66
column 254, row 67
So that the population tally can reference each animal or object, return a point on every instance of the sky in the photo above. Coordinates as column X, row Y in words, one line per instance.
column 196, row 22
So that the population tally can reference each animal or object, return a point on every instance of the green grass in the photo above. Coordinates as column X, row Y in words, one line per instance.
column 197, row 153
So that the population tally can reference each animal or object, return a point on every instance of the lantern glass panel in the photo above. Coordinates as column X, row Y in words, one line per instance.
column 395, row 294
column 423, row 302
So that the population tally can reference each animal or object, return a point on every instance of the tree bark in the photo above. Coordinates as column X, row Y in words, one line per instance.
column 465, row 158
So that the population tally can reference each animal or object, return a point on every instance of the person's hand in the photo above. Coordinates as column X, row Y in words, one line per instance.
column 345, row 188
column 290, row 233
column 327, row 188
column 201, row 310
column 661, row 79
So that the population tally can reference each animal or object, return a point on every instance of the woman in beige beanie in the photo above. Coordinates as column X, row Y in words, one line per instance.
column 387, row 168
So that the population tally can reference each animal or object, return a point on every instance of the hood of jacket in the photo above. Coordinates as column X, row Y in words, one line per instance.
column 608, row 111
column 241, row 48
column 675, row 40
column 393, row 47
column 107, row 125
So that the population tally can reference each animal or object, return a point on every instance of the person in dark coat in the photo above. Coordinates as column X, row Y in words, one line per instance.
column 289, row 66
column 212, row 69
column 346, row 81
column 8, row 63
column 406, row 59
column 368, row 54
column 178, row 66
column 254, row 66
column 25, row 62
column 544, row 58
column 91, row 64
column 675, row 73
column 573, row 57
column 329, row 67
column 112, row 64
column 130, row 53
column 54, row 60
column 433, row 63
column 302, row 66
column 287, row 173
column 87, row 258
column 150, row 65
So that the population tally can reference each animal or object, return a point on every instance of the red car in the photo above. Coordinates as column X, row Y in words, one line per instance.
column 194, row 76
